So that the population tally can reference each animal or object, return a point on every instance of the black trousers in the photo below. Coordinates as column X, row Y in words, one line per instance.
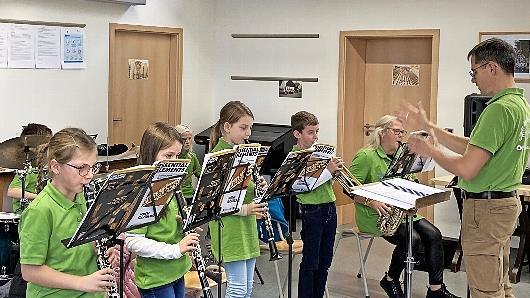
column 430, row 237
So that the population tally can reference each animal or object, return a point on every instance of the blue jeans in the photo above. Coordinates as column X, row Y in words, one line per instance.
column 240, row 277
column 319, row 224
column 171, row 290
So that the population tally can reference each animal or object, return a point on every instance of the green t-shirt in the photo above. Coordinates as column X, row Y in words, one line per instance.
column 50, row 218
column 370, row 165
column 320, row 195
column 194, row 169
column 501, row 129
column 151, row 272
column 239, row 236
column 31, row 185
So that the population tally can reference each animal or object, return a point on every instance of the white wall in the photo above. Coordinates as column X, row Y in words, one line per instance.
column 459, row 22
column 78, row 98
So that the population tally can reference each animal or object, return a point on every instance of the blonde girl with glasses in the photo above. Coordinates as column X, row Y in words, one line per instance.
column 49, row 267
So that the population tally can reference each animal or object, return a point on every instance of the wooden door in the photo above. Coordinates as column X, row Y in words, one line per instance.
column 367, row 59
column 136, row 101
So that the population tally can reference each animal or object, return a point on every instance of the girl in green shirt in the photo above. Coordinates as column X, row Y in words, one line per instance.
column 160, row 248
column 50, row 268
column 194, row 169
column 240, row 245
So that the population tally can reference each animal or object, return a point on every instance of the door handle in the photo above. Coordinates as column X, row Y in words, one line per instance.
column 116, row 120
column 368, row 128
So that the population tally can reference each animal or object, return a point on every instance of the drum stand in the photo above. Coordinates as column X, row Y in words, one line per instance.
column 22, row 176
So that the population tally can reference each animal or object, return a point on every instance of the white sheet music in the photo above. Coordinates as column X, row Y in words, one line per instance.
column 396, row 192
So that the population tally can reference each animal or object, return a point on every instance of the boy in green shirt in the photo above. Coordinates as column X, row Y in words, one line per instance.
column 319, row 215
column 30, row 190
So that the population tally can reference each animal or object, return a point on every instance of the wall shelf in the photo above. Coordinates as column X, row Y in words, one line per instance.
column 245, row 78
column 276, row 35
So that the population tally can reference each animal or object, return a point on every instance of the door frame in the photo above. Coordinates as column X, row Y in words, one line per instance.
column 175, row 69
column 351, row 101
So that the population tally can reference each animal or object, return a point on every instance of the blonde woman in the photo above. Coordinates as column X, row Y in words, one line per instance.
column 370, row 165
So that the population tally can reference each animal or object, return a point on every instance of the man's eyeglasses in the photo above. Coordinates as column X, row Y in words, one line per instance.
column 473, row 71
column 85, row 169
column 398, row 132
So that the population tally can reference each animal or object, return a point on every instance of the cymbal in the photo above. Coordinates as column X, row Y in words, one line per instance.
column 12, row 151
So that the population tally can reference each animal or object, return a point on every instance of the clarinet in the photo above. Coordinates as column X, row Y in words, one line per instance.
column 103, row 262
column 259, row 193
column 91, row 190
column 197, row 255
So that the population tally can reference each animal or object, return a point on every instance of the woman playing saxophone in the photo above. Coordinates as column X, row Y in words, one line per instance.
column 370, row 165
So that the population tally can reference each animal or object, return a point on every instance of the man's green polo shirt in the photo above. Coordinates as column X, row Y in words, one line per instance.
column 502, row 130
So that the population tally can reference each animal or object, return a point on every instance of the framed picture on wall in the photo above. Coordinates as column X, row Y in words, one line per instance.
column 521, row 42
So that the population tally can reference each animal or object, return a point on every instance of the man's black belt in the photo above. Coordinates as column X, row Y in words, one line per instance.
column 489, row 194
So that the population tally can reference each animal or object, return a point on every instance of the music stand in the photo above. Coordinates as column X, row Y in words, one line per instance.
column 405, row 163
column 220, row 192
column 281, row 186
column 114, row 210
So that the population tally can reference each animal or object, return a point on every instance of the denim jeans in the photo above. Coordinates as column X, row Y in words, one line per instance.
column 319, row 224
column 171, row 290
column 240, row 277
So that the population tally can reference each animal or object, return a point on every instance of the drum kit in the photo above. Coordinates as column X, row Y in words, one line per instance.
column 20, row 155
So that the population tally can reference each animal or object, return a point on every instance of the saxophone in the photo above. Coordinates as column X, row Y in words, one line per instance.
column 388, row 224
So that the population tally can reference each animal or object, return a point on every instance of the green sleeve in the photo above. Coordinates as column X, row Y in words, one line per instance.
column 360, row 166
column 491, row 137
column 35, row 232
column 196, row 165
column 16, row 183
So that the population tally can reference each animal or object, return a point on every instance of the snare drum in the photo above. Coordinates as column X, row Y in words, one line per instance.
column 8, row 237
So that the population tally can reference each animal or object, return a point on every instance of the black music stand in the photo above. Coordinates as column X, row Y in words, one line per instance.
column 214, row 185
column 281, row 186
column 114, row 210
column 405, row 163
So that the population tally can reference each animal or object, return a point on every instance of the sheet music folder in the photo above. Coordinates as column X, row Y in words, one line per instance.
column 217, row 171
column 127, row 201
column 403, row 193
column 290, row 170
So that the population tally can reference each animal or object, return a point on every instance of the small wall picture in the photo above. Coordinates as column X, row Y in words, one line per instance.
column 138, row 69
column 406, row 75
column 521, row 43
column 290, row 88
